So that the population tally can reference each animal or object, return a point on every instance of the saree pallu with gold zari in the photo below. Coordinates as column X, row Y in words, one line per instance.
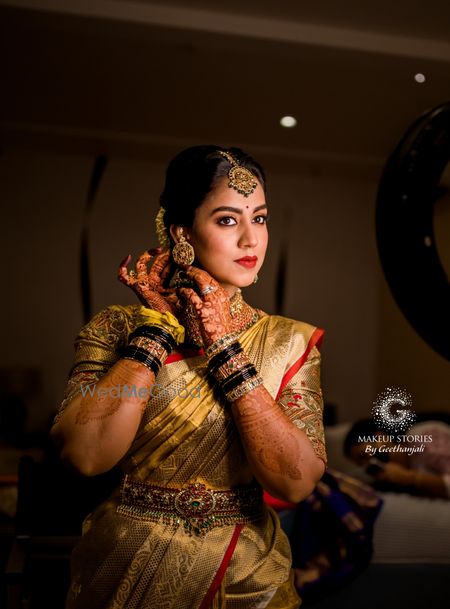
column 130, row 557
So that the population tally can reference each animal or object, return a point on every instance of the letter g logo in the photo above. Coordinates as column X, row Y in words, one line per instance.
column 392, row 410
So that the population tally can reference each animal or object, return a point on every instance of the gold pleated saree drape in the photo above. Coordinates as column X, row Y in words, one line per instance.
column 187, row 435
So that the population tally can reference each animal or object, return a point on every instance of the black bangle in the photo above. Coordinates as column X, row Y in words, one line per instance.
column 153, row 332
column 140, row 355
column 238, row 381
column 157, row 339
column 231, row 376
column 156, row 333
column 244, row 374
column 221, row 358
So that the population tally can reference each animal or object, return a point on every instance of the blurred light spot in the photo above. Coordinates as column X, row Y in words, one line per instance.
column 420, row 78
column 288, row 121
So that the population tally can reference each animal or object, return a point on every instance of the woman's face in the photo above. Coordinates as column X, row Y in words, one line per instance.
column 229, row 235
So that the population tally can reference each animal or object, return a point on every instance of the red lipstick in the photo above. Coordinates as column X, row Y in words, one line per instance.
column 248, row 261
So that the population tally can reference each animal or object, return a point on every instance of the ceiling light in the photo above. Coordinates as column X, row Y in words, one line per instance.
column 288, row 121
column 420, row 78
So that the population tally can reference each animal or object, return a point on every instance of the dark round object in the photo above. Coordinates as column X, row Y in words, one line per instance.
column 408, row 190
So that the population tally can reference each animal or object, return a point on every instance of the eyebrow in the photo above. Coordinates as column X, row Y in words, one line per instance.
column 236, row 210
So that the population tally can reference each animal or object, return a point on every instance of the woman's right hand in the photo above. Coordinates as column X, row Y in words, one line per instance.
column 148, row 284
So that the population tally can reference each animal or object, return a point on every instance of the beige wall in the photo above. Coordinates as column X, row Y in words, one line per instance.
column 333, row 276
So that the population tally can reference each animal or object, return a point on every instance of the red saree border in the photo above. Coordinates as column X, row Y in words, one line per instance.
column 208, row 599
column 314, row 341
column 179, row 355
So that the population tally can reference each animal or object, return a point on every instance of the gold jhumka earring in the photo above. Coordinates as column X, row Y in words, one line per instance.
column 182, row 252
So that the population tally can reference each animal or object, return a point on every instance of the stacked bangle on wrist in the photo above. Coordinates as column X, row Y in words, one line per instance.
column 149, row 345
column 244, row 388
column 220, row 344
column 229, row 366
column 232, row 369
column 142, row 356
column 223, row 357
column 246, row 373
column 155, row 333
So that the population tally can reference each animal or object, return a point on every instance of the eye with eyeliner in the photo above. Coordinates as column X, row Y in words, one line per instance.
column 222, row 222
column 225, row 220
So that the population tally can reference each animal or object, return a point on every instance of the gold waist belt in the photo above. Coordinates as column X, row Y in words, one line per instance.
column 199, row 509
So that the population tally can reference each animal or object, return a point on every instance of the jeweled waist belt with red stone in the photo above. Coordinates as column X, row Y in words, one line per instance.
column 196, row 507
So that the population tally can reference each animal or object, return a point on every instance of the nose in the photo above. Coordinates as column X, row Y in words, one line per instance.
column 248, row 237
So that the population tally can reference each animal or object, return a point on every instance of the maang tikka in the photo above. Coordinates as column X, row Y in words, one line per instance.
column 240, row 178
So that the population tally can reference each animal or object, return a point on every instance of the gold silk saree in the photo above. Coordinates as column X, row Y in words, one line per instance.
column 187, row 435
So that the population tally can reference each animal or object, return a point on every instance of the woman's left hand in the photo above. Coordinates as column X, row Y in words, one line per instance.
column 212, row 306
column 148, row 284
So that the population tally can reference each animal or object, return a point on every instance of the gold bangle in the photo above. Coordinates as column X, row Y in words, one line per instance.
column 235, row 363
column 244, row 388
column 153, row 347
column 220, row 344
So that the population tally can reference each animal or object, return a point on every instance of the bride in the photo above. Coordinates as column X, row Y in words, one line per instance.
column 203, row 401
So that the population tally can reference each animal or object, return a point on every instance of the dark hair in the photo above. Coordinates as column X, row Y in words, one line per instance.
column 192, row 174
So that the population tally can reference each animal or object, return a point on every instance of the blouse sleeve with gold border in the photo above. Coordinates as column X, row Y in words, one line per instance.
column 302, row 401
column 96, row 349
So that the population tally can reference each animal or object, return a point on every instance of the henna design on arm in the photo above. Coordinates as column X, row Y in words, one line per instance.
column 148, row 284
column 102, row 404
column 213, row 309
column 268, row 435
